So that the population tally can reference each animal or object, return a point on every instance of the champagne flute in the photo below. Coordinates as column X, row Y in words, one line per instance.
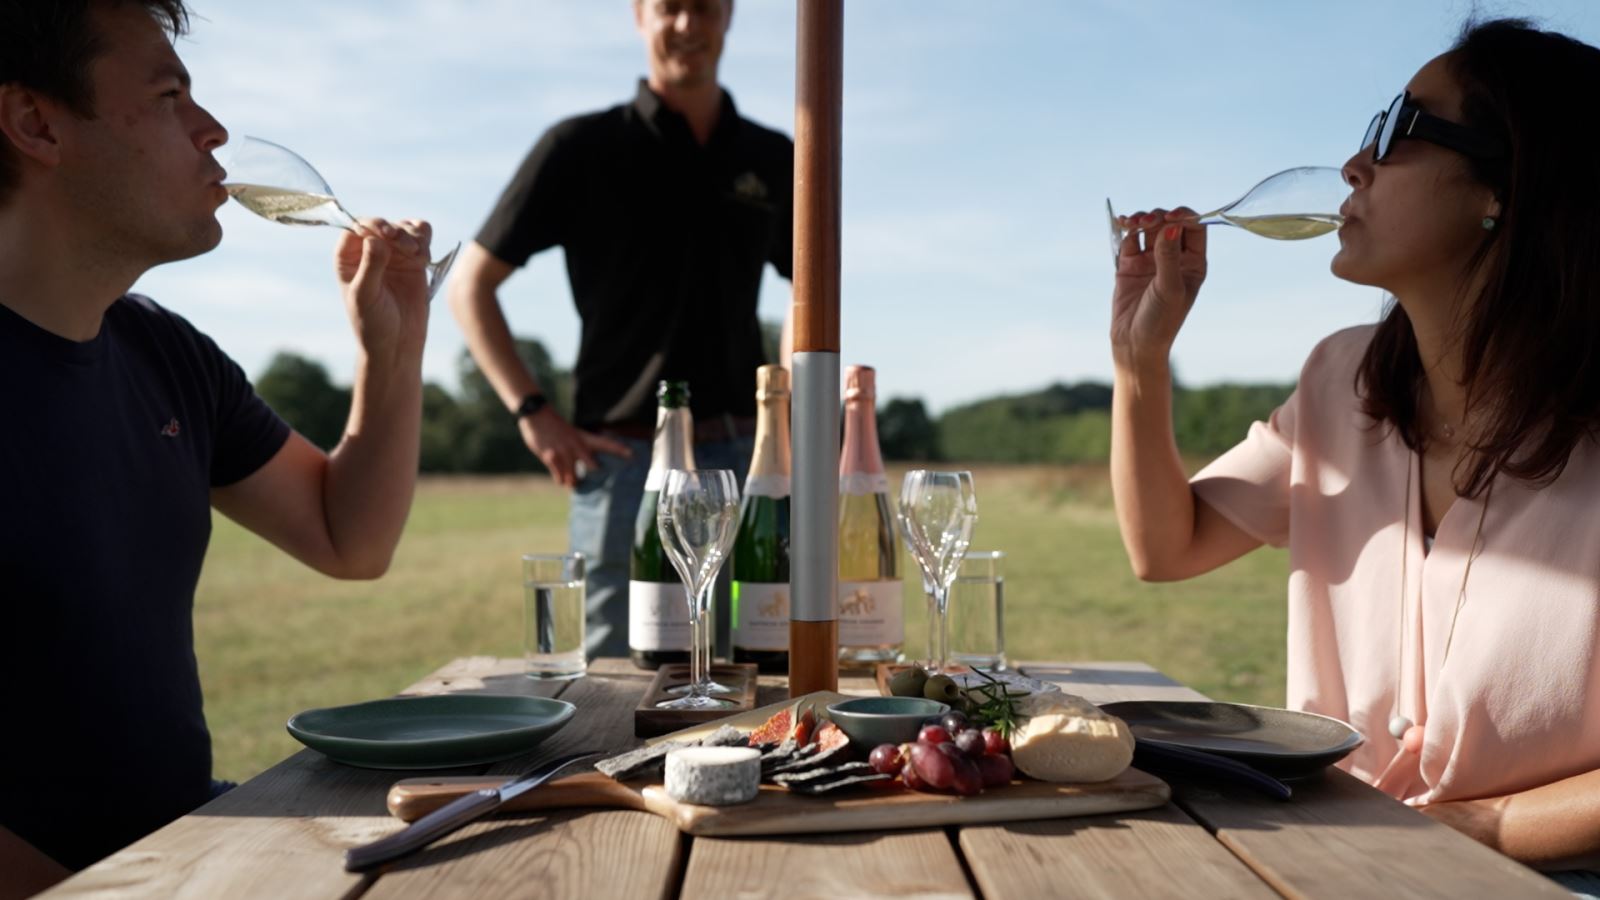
column 1292, row 205
column 937, row 513
column 273, row 182
column 698, row 517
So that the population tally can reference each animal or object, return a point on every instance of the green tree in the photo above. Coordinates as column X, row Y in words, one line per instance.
column 905, row 432
column 441, row 430
column 487, row 439
column 300, row 390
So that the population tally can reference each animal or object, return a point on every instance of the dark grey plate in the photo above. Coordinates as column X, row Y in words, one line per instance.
column 1280, row 742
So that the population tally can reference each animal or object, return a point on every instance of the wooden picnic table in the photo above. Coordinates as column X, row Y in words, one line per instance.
column 284, row 832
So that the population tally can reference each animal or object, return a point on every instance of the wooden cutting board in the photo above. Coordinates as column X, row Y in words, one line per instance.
column 778, row 811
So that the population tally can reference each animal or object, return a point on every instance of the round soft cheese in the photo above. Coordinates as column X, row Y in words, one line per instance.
column 1068, row 739
column 714, row 776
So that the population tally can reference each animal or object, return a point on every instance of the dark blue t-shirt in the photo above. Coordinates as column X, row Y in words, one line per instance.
column 108, row 452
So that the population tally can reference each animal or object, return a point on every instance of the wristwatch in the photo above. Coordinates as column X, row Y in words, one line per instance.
column 530, row 405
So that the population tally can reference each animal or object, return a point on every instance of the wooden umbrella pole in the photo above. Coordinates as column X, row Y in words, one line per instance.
column 814, row 535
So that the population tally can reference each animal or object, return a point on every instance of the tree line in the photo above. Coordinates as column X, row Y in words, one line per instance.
column 469, row 430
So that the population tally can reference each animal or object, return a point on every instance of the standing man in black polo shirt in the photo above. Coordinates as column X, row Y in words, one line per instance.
column 668, row 209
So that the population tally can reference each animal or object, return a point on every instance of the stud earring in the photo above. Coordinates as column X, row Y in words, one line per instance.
column 1489, row 223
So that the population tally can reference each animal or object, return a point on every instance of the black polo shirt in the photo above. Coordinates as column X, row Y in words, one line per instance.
column 665, row 242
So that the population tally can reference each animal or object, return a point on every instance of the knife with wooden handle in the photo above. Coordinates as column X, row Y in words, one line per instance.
column 413, row 798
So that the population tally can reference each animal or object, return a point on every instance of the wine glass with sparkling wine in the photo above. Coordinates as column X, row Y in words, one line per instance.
column 273, row 182
column 1292, row 205
column 698, row 517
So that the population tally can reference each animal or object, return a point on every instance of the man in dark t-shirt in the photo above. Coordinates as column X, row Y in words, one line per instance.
column 668, row 209
column 125, row 427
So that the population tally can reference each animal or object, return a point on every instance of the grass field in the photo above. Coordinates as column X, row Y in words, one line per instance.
column 274, row 638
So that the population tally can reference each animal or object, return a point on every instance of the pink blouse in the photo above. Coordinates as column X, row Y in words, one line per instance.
column 1517, row 702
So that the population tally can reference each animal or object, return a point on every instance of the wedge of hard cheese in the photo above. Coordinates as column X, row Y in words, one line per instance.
column 1068, row 739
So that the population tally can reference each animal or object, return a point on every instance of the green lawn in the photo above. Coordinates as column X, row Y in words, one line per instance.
column 274, row 638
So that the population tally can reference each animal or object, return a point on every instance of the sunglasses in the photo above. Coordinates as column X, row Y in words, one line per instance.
column 1405, row 119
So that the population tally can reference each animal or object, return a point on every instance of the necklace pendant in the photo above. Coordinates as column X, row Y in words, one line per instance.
column 1398, row 726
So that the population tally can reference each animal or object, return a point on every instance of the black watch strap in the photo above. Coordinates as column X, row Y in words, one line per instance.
column 531, row 404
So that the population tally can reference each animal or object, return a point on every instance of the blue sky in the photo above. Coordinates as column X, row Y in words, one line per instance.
column 980, row 143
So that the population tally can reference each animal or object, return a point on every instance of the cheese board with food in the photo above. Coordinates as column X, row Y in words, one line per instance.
column 827, row 762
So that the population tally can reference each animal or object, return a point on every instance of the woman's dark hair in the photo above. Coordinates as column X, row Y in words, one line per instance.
column 50, row 46
column 1529, row 339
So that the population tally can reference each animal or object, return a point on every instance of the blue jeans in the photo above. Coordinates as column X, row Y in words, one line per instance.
column 600, row 526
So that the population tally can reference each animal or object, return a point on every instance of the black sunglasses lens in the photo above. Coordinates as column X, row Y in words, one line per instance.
column 1372, row 131
column 1391, row 121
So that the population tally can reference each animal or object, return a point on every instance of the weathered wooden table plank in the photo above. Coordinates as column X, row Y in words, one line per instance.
column 857, row 864
column 1157, row 853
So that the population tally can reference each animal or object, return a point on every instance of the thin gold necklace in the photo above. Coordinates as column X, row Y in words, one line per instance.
column 1402, row 728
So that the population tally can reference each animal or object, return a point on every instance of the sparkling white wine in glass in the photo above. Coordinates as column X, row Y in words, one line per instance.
column 1291, row 205
column 273, row 182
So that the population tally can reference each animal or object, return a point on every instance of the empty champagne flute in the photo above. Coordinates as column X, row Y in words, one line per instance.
column 698, row 517
column 1292, row 205
column 937, row 513
column 273, row 182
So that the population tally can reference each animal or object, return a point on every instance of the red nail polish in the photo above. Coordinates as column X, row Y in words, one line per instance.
column 1172, row 232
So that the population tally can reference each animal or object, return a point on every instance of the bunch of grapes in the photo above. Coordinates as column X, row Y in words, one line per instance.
column 948, row 755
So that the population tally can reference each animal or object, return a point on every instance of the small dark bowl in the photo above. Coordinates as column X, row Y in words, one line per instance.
column 870, row 721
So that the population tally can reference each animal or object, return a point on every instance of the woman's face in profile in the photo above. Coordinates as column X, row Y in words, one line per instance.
column 1413, row 220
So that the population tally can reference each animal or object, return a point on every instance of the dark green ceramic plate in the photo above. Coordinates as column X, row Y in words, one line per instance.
column 430, row 732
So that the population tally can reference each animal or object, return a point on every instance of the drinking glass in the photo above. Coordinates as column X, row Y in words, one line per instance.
column 1292, row 205
column 273, row 182
column 977, row 611
column 553, row 615
column 698, row 517
column 937, row 513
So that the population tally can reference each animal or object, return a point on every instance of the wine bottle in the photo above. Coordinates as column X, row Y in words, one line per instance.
column 871, row 609
column 760, row 562
column 658, row 606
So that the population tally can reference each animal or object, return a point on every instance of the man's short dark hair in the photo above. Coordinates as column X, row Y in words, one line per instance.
column 50, row 46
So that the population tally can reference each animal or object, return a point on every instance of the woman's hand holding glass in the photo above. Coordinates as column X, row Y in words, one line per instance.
column 1161, row 264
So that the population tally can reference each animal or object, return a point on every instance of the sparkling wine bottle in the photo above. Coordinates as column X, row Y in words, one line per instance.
column 871, row 609
column 761, row 552
column 658, row 606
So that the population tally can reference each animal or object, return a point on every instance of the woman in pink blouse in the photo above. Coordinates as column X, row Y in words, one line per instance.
column 1436, row 476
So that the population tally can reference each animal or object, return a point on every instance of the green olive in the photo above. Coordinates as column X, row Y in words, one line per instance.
column 908, row 682
column 942, row 689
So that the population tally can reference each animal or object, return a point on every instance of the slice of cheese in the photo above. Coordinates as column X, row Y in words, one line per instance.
column 714, row 776
column 1068, row 739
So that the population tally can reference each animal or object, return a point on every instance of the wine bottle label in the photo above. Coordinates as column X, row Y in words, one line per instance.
column 871, row 613
column 658, row 616
column 760, row 615
column 774, row 486
column 859, row 483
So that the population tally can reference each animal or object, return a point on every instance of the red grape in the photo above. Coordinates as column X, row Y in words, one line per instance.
column 970, row 742
column 908, row 774
column 996, row 769
column 993, row 743
column 933, row 734
column 933, row 767
column 964, row 777
column 954, row 722
column 885, row 759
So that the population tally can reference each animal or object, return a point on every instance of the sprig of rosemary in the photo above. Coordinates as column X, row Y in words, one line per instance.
column 998, row 709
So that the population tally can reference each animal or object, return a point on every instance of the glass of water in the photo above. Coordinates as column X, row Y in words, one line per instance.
column 977, row 611
column 552, row 615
